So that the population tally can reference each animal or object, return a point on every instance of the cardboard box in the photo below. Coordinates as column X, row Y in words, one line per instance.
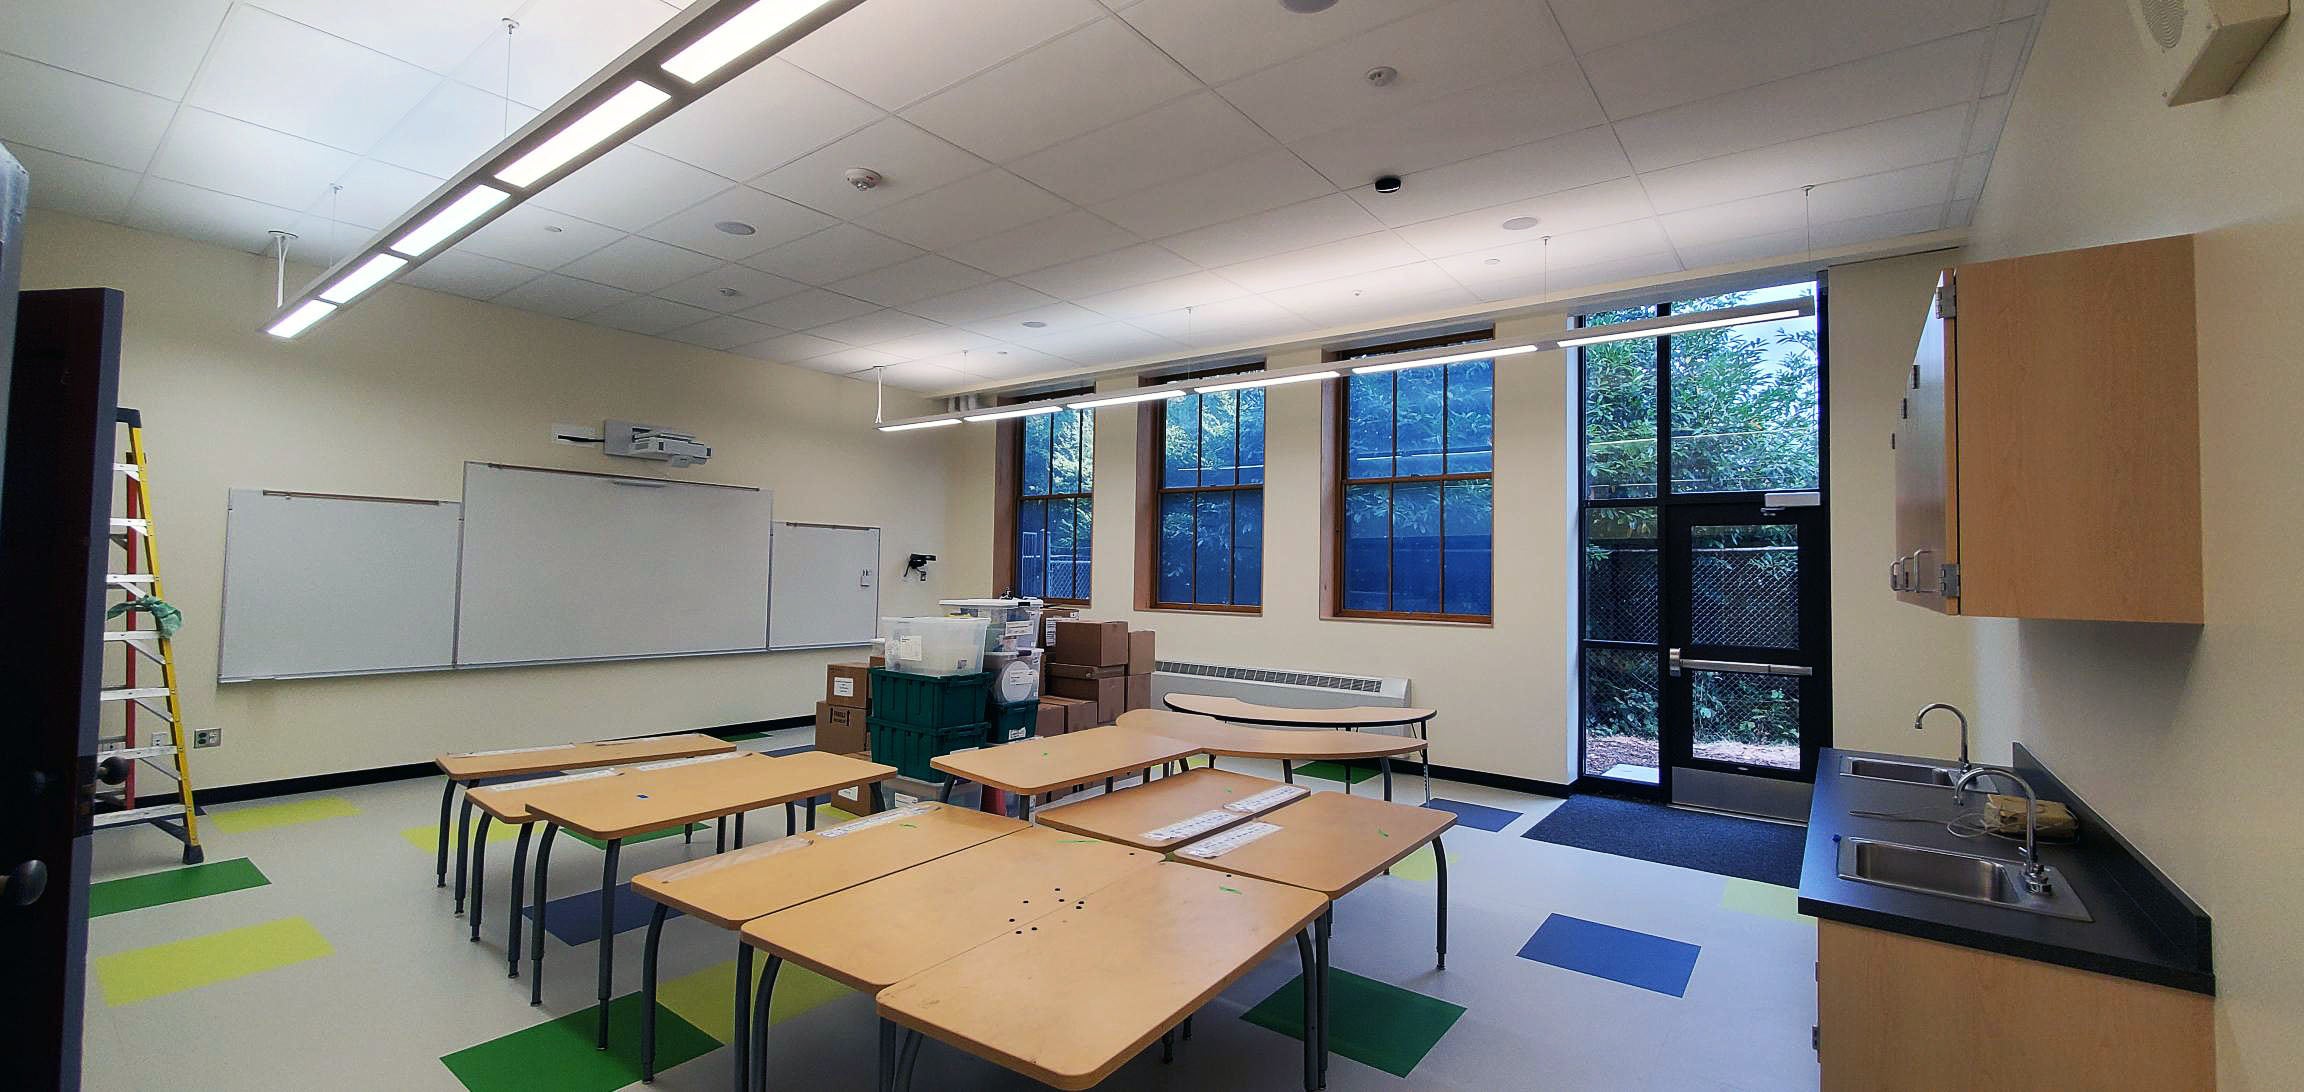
column 1084, row 671
column 848, row 684
column 1140, row 658
column 1077, row 714
column 1110, row 695
column 1049, row 616
column 1139, row 692
column 1098, row 644
column 840, row 729
column 1053, row 718
column 877, row 661
column 856, row 801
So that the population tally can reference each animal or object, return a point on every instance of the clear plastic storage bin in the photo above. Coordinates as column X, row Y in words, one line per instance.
column 934, row 646
column 1013, row 624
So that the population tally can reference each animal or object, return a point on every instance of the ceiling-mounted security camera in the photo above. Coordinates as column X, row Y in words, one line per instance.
column 863, row 178
column 1388, row 183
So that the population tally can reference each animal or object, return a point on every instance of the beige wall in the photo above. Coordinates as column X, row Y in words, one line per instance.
column 390, row 398
column 2186, row 737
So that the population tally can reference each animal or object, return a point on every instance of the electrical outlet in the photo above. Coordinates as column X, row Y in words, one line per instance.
column 208, row 737
column 159, row 739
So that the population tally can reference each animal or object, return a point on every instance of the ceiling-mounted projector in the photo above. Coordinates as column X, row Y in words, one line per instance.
column 634, row 440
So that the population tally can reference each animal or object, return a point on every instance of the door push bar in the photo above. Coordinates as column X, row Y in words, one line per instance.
column 1675, row 664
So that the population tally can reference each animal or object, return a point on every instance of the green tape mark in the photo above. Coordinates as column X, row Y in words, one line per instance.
column 1234, row 890
column 1381, row 830
column 1062, row 841
column 267, row 816
column 559, row 1055
column 914, row 826
column 141, row 974
column 1370, row 1022
column 650, row 836
column 173, row 885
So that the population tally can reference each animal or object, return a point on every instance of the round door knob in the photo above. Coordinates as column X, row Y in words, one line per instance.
column 25, row 883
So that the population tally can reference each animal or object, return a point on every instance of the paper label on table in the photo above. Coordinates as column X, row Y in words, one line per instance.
column 1221, row 844
column 567, row 777
column 511, row 751
column 892, row 815
column 1266, row 800
column 670, row 763
column 1185, row 828
column 844, row 687
column 908, row 647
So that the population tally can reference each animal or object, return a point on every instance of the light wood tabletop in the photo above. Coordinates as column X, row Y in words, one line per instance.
column 1219, row 737
column 730, row 889
column 509, row 803
column 1041, row 763
column 480, row 765
column 1331, row 843
column 877, row 934
column 1070, row 998
column 1130, row 815
column 1243, row 712
column 637, row 800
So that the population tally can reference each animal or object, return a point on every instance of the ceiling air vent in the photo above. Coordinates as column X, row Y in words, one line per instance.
column 2199, row 48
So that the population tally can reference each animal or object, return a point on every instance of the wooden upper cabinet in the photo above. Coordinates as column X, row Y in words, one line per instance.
column 2048, row 445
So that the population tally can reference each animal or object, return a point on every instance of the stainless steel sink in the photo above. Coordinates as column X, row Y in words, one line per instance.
column 1963, row 876
column 1915, row 773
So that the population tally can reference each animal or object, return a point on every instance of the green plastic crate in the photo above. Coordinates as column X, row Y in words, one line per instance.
column 929, row 701
column 1007, row 722
column 908, row 748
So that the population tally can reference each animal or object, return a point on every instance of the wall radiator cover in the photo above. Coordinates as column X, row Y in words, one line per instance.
column 1276, row 686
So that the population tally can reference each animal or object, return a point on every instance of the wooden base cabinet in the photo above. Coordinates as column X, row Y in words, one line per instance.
column 2048, row 444
column 1896, row 1012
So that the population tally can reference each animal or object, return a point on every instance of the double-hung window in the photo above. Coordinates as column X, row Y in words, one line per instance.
column 1415, row 490
column 1207, row 515
column 1055, row 504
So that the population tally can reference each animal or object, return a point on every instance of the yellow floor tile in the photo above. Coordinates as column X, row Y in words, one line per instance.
column 267, row 816
column 141, row 974
column 707, row 998
column 1765, row 899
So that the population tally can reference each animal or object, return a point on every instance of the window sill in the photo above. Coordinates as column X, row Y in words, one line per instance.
column 1384, row 619
column 1175, row 608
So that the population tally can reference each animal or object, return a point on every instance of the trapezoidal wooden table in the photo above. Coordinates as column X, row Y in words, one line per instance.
column 1346, row 718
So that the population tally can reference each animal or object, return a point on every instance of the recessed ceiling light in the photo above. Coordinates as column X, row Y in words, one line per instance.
column 1520, row 223
column 1493, row 261
column 735, row 227
column 1307, row 7
column 1036, row 324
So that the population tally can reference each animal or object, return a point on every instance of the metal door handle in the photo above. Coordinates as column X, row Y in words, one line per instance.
column 24, row 884
column 1675, row 664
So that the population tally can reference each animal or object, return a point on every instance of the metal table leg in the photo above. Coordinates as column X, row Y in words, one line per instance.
column 1424, row 732
column 739, row 830
column 1386, row 765
column 811, row 806
column 885, row 1076
column 463, row 840
column 879, row 799
column 479, row 873
column 519, row 881
column 1287, row 771
column 607, row 936
column 1311, row 1010
column 907, row 1053
column 648, row 994
column 536, row 948
column 1324, row 925
column 1440, row 860
column 949, row 782
column 447, row 800
column 720, row 840
column 761, row 1003
column 743, row 1043
column 1167, row 1047
column 791, row 820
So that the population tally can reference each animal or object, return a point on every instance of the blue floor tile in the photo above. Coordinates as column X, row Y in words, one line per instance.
column 1476, row 816
column 782, row 751
column 575, row 919
column 1620, row 955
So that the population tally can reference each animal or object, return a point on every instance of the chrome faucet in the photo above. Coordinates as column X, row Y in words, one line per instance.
column 2035, row 875
column 1922, row 715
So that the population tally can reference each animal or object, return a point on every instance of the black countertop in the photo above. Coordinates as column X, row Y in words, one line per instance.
column 2144, row 928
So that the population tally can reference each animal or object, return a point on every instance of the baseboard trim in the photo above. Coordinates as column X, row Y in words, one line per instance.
column 1529, row 785
column 290, row 786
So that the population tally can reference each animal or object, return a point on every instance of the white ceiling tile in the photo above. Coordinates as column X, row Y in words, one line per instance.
column 1642, row 267
column 84, row 118
column 1259, row 182
column 1189, row 290
column 639, row 265
column 1223, row 40
column 218, row 153
column 567, row 297
column 1192, row 134
column 910, row 162
column 917, row 376
column 152, row 47
column 472, row 275
column 1107, row 272
column 1972, row 173
column 1060, row 238
column 189, row 212
column 630, row 188
column 647, row 315
column 1596, row 24
column 560, row 44
column 1307, row 223
column 750, row 287
column 1530, row 260
column 1446, row 49
column 972, row 208
column 981, row 302
column 1961, row 213
column 1367, row 253
column 289, row 77
column 435, row 34
column 76, row 186
column 1786, row 211
column 835, row 253
column 1908, row 81
column 759, row 121
column 774, row 221
column 1374, row 297
column 1000, row 364
column 1054, row 319
column 1755, row 43
column 808, row 310
column 538, row 237
column 791, row 348
column 450, row 129
column 1108, row 343
column 1792, row 244
column 375, row 194
column 877, row 327
column 321, row 242
column 894, row 52
column 917, row 279
column 1224, row 321
column 1414, row 136
column 1083, row 81
column 2009, row 40
column 1514, row 174
column 1991, row 117
column 1611, row 202
column 1849, row 153
column 851, row 360
column 725, row 332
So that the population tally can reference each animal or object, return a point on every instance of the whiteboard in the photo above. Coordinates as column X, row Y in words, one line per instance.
column 826, row 590
column 335, row 585
column 559, row 565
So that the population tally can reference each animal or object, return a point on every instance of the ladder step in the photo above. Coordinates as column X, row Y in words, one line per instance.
column 168, row 751
column 128, row 469
column 123, row 523
column 128, row 578
column 133, row 693
column 131, row 635
column 138, row 815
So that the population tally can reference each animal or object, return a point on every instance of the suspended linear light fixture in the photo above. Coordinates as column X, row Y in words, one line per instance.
column 1664, row 325
column 1015, row 412
column 1154, row 395
column 1275, row 379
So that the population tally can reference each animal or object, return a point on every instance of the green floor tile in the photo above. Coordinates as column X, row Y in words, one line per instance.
column 667, row 832
column 748, row 737
column 141, row 974
column 1334, row 771
column 829, row 816
column 1765, row 899
column 707, row 998
column 427, row 837
column 1369, row 1022
column 559, row 1054
column 174, row 885
column 267, row 816
column 1419, row 866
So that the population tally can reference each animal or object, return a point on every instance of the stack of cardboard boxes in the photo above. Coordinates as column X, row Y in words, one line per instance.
column 840, row 723
column 1098, row 669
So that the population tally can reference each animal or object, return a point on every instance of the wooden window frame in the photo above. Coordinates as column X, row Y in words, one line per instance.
column 1333, row 403
column 1008, row 489
column 1151, row 486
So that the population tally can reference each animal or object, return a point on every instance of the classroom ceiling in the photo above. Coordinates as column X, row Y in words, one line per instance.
column 1068, row 183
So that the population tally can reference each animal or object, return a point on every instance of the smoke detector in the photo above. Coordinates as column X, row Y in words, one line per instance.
column 1381, row 76
column 863, row 178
